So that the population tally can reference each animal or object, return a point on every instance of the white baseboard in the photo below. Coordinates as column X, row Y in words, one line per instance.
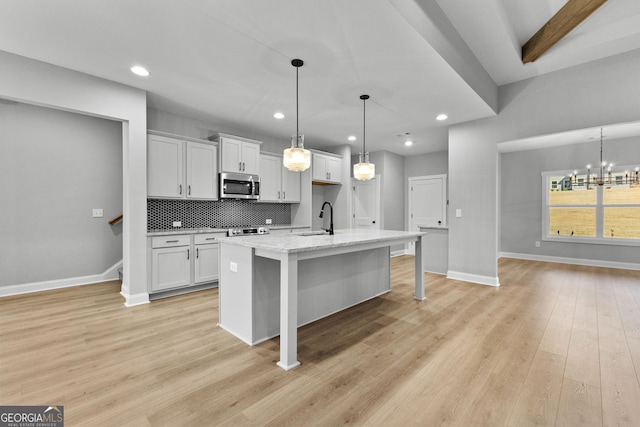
column 25, row 288
column 399, row 253
column 474, row 278
column 575, row 261
column 135, row 299
column 111, row 273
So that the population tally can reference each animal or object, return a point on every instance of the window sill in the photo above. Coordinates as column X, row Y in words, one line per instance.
column 592, row 240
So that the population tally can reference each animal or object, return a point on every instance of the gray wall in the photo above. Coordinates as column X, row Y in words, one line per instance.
column 393, row 195
column 185, row 126
column 522, row 198
column 472, row 188
column 594, row 94
column 426, row 164
column 55, row 168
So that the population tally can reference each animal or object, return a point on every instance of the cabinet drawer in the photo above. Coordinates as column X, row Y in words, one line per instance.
column 202, row 239
column 169, row 241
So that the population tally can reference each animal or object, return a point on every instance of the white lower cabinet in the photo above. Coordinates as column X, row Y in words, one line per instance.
column 171, row 268
column 170, row 262
column 205, row 267
column 180, row 261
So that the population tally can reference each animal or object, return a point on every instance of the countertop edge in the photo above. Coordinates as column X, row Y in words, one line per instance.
column 326, row 242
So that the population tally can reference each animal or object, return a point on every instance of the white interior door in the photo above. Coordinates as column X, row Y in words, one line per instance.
column 366, row 204
column 427, row 202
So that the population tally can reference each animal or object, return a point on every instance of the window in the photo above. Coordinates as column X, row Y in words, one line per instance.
column 577, row 208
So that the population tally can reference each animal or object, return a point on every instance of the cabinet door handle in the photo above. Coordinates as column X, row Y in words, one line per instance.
column 171, row 241
column 278, row 194
column 240, row 166
column 210, row 238
column 197, row 252
column 189, row 190
column 187, row 253
column 180, row 191
column 284, row 195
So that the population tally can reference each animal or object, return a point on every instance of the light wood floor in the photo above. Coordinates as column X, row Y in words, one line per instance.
column 554, row 345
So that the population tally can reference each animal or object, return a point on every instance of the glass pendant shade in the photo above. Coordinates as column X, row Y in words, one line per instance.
column 296, row 158
column 364, row 171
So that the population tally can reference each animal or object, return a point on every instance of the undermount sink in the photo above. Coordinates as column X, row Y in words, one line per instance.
column 313, row 233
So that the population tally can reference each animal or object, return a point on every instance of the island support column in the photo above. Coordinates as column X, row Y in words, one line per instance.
column 419, row 273
column 288, row 311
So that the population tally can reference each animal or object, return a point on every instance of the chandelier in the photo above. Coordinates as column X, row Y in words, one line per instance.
column 606, row 178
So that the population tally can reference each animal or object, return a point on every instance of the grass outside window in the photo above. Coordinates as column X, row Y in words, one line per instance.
column 576, row 209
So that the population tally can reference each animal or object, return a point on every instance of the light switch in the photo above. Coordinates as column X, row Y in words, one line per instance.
column 458, row 213
column 233, row 267
column 98, row 213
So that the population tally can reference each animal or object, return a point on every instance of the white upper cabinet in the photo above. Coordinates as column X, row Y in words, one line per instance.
column 181, row 169
column 270, row 178
column 202, row 174
column 239, row 156
column 327, row 168
column 165, row 164
column 277, row 184
column 290, row 185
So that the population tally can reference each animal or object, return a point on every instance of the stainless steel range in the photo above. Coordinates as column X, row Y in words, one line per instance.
column 247, row 231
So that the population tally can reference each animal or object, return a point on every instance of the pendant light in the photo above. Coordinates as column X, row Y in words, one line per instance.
column 364, row 171
column 296, row 158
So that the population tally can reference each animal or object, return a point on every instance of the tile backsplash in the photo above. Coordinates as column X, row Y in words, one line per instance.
column 162, row 213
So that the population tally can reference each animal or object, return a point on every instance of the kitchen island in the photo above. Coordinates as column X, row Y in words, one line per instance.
column 272, row 284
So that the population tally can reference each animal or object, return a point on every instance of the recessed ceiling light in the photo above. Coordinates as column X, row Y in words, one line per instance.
column 408, row 143
column 442, row 117
column 352, row 138
column 140, row 71
column 278, row 115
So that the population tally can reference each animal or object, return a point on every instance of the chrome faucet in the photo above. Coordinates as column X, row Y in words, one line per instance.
column 330, row 230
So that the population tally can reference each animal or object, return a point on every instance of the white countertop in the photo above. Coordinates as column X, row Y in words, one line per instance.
column 303, row 242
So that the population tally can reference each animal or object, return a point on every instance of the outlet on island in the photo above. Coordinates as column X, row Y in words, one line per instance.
column 177, row 223
column 268, row 221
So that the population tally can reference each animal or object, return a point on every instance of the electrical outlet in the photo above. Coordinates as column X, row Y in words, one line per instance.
column 458, row 213
column 98, row 213
column 268, row 221
column 537, row 243
column 233, row 267
column 177, row 223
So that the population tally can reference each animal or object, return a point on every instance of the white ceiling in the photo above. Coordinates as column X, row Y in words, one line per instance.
column 228, row 61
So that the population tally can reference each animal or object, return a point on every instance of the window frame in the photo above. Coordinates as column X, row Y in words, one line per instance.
column 599, row 239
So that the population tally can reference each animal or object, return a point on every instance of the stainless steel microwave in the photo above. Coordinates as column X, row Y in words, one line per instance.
column 239, row 186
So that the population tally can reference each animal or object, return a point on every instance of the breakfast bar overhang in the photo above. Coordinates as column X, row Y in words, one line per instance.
column 272, row 284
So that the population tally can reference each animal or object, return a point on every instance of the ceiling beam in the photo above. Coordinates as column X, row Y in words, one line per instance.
column 565, row 20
